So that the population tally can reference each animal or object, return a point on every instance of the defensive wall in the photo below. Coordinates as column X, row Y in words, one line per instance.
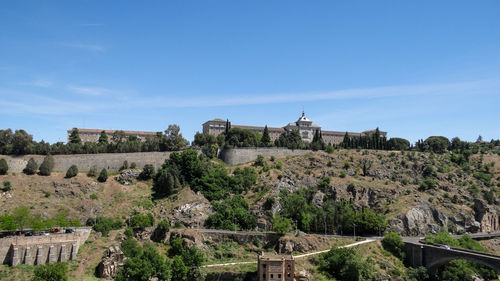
column 109, row 161
column 34, row 250
column 113, row 161
column 240, row 155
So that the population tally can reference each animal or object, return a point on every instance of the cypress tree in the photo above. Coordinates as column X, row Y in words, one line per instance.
column 228, row 127
column 266, row 139
column 74, row 137
column 103, row 138
column 103, row 176
column 31, row 167
column 3, row 167
column 47, row 165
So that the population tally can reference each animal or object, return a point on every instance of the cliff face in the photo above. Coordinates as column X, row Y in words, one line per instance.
column 419, row 193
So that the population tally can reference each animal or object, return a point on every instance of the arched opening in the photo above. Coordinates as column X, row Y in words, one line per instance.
column 454, row 269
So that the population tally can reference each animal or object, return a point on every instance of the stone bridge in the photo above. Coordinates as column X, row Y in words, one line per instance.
column 34, row 250
column 432, row 256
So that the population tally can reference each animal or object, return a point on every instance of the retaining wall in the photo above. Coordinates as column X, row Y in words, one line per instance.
column 109, row 161
column 234, row 156
column 34, row 250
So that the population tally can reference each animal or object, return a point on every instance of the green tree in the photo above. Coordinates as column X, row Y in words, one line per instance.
column 51, row 272
column 22, row 143
column 179, row 269
column 173, row 139
column 31, row 167
column 417, row 274
column 74, row 137
column 290, row 139
column 72, row 171
column 7, row 186
column 131, row 248
column 92, row 172
column 281, row 224
column 266, row 139
column 61, row 218
column 345, row 264
column 8, row 222
column 103, row 176
column 436, row 144
column 22, row 217
column 3, row 166
column 103, row 138
column 47, row 165
column 147, row 172
column 160, row 232
column 393, row 243
column 398, row 144
column 141, row 221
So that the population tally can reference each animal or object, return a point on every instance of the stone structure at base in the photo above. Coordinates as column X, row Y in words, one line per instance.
column 306, row 129
column 271, row 267
column 110, row 263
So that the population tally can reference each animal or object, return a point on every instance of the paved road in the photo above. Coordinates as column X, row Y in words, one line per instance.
column 296, row 257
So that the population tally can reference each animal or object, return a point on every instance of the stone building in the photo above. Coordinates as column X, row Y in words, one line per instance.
column 306, row 128
column 271, row 267
column 92, row 135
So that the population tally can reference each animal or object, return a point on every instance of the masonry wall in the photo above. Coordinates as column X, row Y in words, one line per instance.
column 234, row 156
column 35, row 250
column 109, row 161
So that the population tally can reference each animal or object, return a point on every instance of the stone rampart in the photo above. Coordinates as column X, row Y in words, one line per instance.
column 234, row 156
column 109, row 161
column 34, row 250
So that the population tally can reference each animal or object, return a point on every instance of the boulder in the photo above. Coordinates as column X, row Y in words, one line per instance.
column 128, row 177
column 110, row 263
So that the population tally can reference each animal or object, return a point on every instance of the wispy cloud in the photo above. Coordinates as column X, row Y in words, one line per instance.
column 42, row 83
column 459, row 88
column 89, row 91
column 87, row 47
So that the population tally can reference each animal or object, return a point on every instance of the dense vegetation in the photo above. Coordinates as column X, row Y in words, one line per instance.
column 21, row 143
column 21, row 218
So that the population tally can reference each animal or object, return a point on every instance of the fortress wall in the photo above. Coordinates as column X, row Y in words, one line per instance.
column 34, row 250
column 110, row 161
column 234, row 156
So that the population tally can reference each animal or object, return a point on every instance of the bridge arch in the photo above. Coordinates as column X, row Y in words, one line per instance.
column 436, row 263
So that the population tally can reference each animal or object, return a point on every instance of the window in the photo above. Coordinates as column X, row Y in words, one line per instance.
column 288, row 274
column 264, row 276
column 279, row 276
column 272, row 276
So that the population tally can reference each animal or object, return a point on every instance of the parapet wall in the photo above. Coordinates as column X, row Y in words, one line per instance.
column 234, row 156
column 109, row 161
column 34, row 250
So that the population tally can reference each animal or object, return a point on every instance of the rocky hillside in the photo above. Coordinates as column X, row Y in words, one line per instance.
column 418, row 192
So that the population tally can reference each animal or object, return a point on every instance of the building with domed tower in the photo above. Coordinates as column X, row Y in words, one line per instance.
column 306, row 128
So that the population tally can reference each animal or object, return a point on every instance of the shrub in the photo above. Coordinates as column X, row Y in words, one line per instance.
column 345, row 264
column 46, row 194
column 3, row 167
column 131, row 248
column 93, row 196
column 260, row 161
column 124, row 165
column 142, row 221
column 129, row 232
column 104, row 224
column 279, row 165
column 160, row 232
column 47, row 165
column 92, row 172
column 103, row 176
column 329, row 148
column 342, row 174
column 31, row 167
column 147, row 172
column 7, row 186
column 427, row 184
column 281, row 224
column 72, row 171
column 133, row 165
column 393, row 243
column 51, row 272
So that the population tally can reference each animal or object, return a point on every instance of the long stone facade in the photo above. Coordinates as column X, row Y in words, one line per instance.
column 307, row 129
column 92, row 135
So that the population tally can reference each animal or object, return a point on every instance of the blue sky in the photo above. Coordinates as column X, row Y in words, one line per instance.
column 412, row 68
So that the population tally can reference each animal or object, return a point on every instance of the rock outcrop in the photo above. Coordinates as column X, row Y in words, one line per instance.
column 110, row 263
column 486, row 216
column 128, row 177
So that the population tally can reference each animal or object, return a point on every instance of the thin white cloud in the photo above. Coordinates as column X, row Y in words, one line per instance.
column 460, row 88
column 42, row 83
column 89, row 91
column 87, row 47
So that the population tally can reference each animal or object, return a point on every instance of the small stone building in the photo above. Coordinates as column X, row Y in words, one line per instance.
column 273, row 267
